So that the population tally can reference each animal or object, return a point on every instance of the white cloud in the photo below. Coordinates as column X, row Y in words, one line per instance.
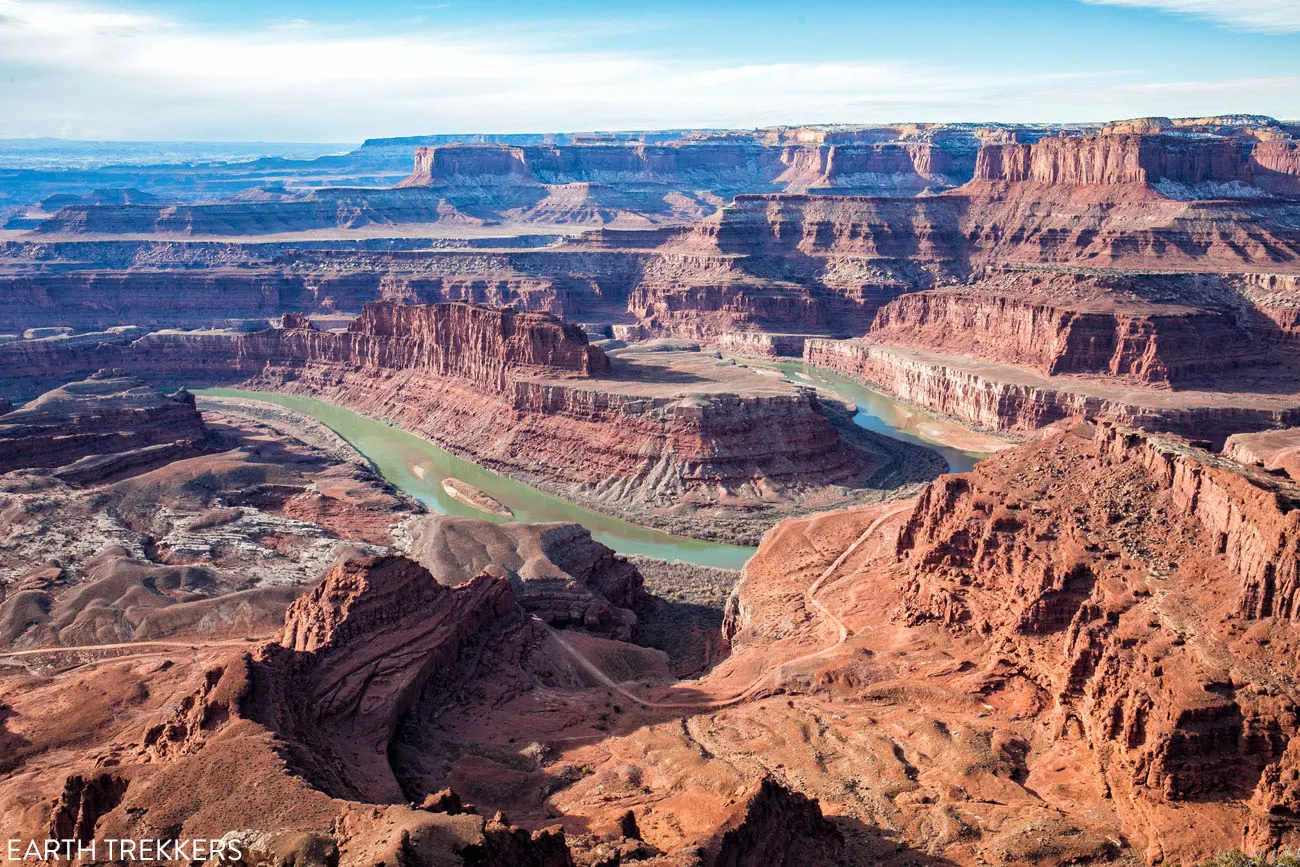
column 95, row 71
column 1262, row 16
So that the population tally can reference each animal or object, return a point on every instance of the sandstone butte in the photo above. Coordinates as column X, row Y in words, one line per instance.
column 527, row 395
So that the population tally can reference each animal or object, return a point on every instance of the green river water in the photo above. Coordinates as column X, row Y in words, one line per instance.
column 418, row 467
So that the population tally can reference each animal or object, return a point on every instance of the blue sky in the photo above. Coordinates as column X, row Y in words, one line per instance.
column 332, row 71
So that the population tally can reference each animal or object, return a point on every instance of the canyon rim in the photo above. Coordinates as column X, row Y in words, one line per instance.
column 696, row 463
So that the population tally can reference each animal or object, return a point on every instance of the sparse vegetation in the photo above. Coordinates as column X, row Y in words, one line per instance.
column 686, row 582
column 1237, row 858
column 686, row 620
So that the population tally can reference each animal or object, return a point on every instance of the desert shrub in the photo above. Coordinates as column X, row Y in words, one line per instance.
column 1237, row 858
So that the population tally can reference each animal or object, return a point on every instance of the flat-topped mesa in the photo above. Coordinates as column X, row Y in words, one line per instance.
column 726, row 163
column 1124, row 159
column 1240, row 125
column 891, row 168
column 447, row 164
column 1277, row 451
column 1066, row 323
column 888, row 162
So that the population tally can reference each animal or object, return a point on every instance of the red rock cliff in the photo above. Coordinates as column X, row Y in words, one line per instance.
column 1142, row 342
column 482, row 344
column 518, row 393
column 1142, row 641
column 449, row 163
column 889, row 167
column 1003, row 398
column 1277, row 165
column 1117, row 159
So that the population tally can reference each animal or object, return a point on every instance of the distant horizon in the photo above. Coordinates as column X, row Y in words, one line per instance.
column 333, row 71
column 810, row 125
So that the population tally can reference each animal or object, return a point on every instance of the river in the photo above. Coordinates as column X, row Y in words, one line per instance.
column 892, row 418
column 417, row 466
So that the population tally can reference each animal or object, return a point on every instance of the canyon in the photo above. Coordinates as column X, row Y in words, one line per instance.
column 674, row 439
column 637, row 178
column 1076, row 652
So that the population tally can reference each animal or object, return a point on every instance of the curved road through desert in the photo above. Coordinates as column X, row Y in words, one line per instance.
column 810, row 601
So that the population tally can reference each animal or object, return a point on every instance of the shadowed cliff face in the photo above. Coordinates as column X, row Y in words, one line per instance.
column 557, row 571
column 352, row 661
column 1277, row 166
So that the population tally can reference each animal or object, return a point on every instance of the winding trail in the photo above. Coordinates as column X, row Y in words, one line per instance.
column 810, row 601
column 141, row 648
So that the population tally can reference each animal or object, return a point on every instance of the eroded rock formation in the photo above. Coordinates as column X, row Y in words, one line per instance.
column 1118, row 159
column 1171, row 329
column 1277, row 451
column 557, row 571
column 1031, row 634
column 322, row 724
column 214, row 534
column 353, row 660
column 1160, row 650
column 1003, row 397
column 100, row 426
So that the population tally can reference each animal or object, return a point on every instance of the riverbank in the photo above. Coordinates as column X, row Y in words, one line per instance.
column 735, row 511
column 392, row 453
column 962, row 445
